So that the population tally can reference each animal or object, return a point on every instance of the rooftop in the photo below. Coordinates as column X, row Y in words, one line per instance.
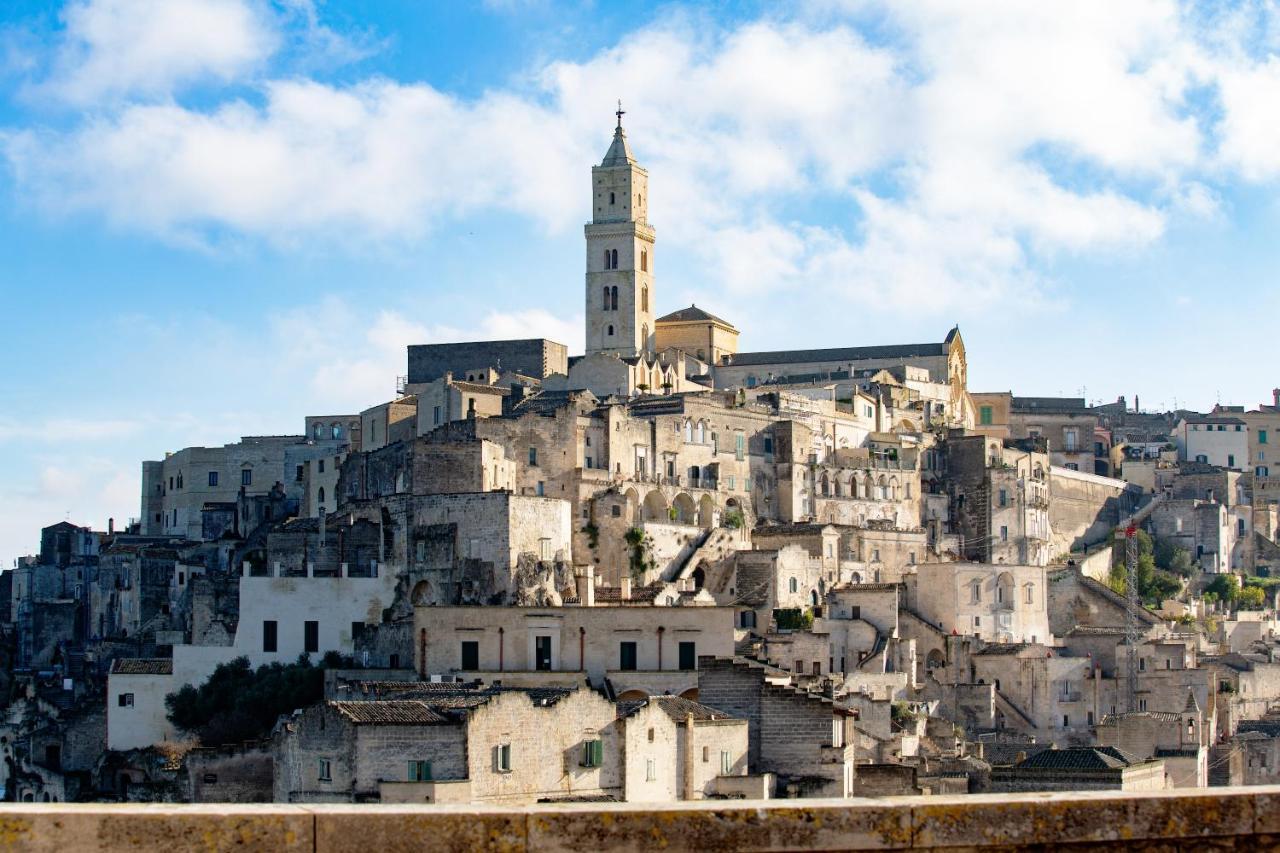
column 693, row 314
column 142, row 666
column 746, row 359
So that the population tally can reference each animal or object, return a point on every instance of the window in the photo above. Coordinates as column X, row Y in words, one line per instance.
column 311, row 636
column 739, row 446
column 1066, row 720
column 1031, row 594
column 320, row 467
column 613, row 295
column 1004, row 533
column 317, row 431
column 644, row 267
column 768, row 444
column 688, row 655
column 650, row 735
column 1262, row 436
column 1142, row 704
column 1004, row 498
column 297, row 474
column 984, row 415
column 435, row 415
column 793, row 585
column 613, row 260
column 125, row 700
column 977, row 621
column 542, row 488
column 650, row 770
column 320, row 495
column 726, row 762
column 604, row 304
column 470, row 655
column 975, row 592
column 269, row 635
column 246, row 477
column 613, row 199
column 533, row 456
column 213, row 479
column 542, row 653
column 502, row 758
column 627, row 656
column 1142, row 664
column 609, row 331
column 1231, row 460
column 326, row 770
column 592, row 753
column 419, row 771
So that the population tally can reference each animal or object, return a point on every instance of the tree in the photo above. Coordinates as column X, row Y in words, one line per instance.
column 1251, row 598
column 1170, row 557
column 238, row 703
column 1224, row 588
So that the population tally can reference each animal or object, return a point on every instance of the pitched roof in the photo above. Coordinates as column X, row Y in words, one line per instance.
column 692, row 314
column 744, row 359
column 619, row 153
column 675, row 707
column 142, row 666
column 1078, row 758
column 389, row 712
column 1049, row 404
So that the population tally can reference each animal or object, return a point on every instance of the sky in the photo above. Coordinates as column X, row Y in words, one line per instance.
column 219, row 216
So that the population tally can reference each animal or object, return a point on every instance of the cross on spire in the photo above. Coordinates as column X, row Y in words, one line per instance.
column 621, row 112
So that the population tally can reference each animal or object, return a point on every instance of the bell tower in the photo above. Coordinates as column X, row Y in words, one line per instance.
column 619, row 254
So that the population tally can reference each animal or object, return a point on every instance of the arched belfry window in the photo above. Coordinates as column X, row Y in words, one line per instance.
column 644, row 260
column 613, row 300
column 613, row 259
column 610, row 332
column 605, row 303
column 613, row 199
column 644, row 298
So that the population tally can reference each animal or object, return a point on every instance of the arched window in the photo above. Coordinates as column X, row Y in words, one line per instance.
column 644, row 260
column 337, row 430
column 688, row 430
column 613, row 298
column 700, row 433
column 794, row 585
column 644, row 336
column 605, row 303
column 613, row 199
column 644, row 298
column 610, row 331
column 320, row 495
column 606, row 260
column 614, row 260
column 317, row 431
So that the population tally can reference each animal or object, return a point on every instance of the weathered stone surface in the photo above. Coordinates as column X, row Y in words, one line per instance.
column 791, row 825
column 392, row 829
column 90, row 828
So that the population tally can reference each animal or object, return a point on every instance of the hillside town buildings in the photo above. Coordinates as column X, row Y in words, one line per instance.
column 669, row 568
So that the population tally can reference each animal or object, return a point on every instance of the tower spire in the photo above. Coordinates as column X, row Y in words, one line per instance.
column 621, row 112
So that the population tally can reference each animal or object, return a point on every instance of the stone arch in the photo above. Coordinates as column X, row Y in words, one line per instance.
column 706, row 511
column 699, row 578
column 824, row 485
column 691, row 694
column 1006, row 590
column 655, row 506
column 686, row 509
column 861, row 483
column 633, row 695
column 935, row 660
column 893, row 488
column 421, row 593
column 632, row 497
column 882, row 487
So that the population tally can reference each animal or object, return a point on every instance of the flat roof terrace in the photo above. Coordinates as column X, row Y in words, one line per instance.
column 1204, row 819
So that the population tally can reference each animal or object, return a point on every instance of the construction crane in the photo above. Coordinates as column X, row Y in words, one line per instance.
column 1131, row 635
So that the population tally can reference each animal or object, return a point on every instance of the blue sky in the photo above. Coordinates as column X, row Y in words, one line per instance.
column 218, row 216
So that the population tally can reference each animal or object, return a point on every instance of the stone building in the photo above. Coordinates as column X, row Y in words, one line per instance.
column 1065, row 423
column 676, row 749
column 1000, row 500
column 638, row 649
column 1080, row 769
column 452, row 745
column 806, row 740
column 1216, row 439
column 999, row 603
column 698, row 333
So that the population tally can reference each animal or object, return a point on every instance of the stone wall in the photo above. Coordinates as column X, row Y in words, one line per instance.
column 535, row 357
column 1227, row 818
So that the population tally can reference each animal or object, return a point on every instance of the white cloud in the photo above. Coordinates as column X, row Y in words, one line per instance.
column 971, row 144
column 114, row 48
column 67, row 429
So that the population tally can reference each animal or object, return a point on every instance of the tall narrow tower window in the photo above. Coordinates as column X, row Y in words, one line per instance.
column 612, row 199
column 644, row 260
column 614, row 259
column 644, row 298
column 613, row 302
column 607, row 256
column 610, row 332
column 605, row 303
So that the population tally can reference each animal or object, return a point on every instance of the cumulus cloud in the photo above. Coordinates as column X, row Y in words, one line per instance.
column 962, row 146
column 114, row 48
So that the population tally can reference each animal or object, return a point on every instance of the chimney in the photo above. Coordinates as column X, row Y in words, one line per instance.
column 586, row 581
column 245, row 569
column 111, row 526
column 625, row 588
column 1275, row 397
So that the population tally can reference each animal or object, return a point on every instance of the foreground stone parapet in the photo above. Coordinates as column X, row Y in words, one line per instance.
column 94, row 828
column 1217, row 818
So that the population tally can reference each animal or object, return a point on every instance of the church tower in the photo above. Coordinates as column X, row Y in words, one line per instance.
column 619, row 255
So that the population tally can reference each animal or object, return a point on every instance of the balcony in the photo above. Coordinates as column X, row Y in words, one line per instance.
column 1224, row 818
